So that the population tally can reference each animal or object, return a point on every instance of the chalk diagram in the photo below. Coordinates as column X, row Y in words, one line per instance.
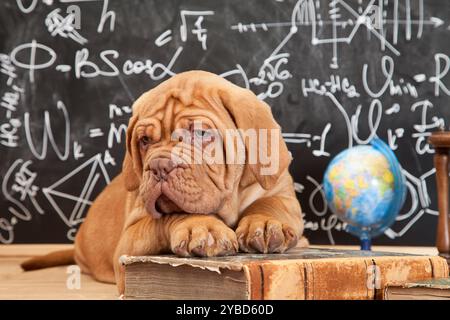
column 420, row 202
column 91, row 173
column 345, row 22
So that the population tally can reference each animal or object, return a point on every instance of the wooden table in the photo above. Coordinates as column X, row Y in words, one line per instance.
column 46, row 283
column 51, row 283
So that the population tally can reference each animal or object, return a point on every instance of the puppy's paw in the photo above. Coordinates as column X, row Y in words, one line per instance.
column 203, row 237
column 262, row 234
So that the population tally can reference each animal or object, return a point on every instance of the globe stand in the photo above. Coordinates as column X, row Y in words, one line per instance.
column 366, row 244
column 364, row 235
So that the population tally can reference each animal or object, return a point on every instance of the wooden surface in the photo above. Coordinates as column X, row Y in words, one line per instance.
column 43, row 284
column 51, row 283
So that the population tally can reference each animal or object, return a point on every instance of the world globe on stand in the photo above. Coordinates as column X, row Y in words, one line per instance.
column 364, row 186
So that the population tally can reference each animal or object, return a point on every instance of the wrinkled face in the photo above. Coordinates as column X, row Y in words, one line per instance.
column 181, row 151
column 188, row 150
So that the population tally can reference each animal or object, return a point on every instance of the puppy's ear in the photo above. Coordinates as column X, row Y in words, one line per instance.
column 132, row 166
column 253, row 115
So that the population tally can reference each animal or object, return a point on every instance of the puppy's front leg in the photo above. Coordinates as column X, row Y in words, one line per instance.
column 270, row 225
column 182, row 234
column 201, row 235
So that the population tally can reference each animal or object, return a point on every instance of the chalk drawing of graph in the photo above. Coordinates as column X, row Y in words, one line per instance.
column 337, row 22
column 90, row 174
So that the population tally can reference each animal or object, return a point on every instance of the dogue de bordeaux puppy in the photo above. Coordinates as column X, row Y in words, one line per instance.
column 161, row 203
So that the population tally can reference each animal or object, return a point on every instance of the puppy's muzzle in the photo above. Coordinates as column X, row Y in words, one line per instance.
column 161, row 167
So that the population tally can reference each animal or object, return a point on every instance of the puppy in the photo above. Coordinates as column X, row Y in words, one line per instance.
column 170, row 200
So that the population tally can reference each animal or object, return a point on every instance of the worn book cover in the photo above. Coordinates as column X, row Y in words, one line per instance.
column 301, row 273
column 433, row 289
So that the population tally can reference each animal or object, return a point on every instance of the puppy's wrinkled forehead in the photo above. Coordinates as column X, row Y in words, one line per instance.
column 198, row 89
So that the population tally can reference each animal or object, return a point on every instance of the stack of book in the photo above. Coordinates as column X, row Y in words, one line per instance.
column 299, row 274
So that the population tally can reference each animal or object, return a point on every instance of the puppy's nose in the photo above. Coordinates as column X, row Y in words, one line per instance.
column 161, row 167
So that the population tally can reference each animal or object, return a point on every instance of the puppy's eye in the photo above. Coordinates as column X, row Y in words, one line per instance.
column 144, row 142
column 202, row 134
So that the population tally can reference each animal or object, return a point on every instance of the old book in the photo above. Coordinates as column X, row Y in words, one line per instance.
column 298, row 274
column 433, row 289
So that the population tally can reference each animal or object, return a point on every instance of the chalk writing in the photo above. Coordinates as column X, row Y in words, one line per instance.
column 335, row 73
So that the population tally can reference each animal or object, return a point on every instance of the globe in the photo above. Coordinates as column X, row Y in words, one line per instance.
column 364, row 186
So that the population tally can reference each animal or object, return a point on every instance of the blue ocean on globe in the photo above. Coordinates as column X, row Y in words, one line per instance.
column 365, row 187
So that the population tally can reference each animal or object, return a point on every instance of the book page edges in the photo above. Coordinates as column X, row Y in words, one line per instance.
column 210, row 265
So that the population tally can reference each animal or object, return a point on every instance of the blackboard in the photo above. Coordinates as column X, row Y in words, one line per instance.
column 336, row 74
